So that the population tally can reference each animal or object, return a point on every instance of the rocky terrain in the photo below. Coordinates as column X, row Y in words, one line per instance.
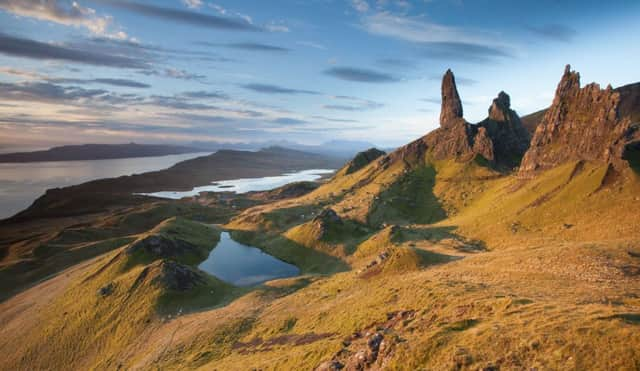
column 500, row 139
column 585, row 123
column 471, row 248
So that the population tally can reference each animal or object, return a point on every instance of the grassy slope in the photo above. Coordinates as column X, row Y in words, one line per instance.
column 520, row 273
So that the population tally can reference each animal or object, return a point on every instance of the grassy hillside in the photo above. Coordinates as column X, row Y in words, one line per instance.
column 406, row 263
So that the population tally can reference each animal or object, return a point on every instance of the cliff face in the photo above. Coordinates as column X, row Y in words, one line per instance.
column 585, row 123
column 501, row 139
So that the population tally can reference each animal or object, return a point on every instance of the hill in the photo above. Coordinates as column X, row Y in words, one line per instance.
column 97, row 152
column 471, row 248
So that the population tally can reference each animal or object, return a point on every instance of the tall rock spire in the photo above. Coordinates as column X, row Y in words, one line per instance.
column 582, row 124
column 451, row 105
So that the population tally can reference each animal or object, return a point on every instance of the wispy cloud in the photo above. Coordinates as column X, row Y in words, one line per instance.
column 554, row 31
column 274, row 89
column 436, row 40
column 251, row 46
column 352, row 104
column 104, row 81
column 185, row 16
column 360, row 75
column 27, row 48
column 65, row 13
column 193, row 4
column 312, row 44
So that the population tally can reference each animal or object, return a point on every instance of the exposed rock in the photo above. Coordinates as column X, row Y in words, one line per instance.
column 483, row 145
column 328, row 216
column 161, row 246
column 290, row 190
column 501, row 139
column 330, row 366
column 588, row 123
column 510, row 140
column 325, row 225
column 176, row 276
column 363, row 159
column 107, row 289
column 451, row 110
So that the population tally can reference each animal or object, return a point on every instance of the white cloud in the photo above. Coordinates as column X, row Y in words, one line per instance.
column 361, row 6
column 417, row 29
column 65, row 13
column 193, row 4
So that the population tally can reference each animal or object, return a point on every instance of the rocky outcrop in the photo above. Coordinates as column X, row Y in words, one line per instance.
column 451, row 110
column 509, row 137
column 179, row 277
column 501, row 139
column 584, row 123
column 363, row 159
column 161, row 246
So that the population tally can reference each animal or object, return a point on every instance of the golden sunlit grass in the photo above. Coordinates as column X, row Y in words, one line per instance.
column 514, row 273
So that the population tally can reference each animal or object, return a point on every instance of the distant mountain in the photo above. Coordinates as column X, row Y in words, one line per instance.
column 97, row 152
column 343, row 149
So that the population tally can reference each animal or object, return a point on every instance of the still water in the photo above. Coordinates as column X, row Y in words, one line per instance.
column 248, row 184
column 243, row 265
column 21, row 184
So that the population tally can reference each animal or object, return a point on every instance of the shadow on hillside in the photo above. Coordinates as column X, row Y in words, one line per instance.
column 632, row 156
column 409, row 200
column 630, row 318
column 441, row 235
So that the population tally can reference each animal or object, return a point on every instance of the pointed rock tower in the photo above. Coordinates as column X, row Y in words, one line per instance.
column 501, row 139
column 588, row 123
column 451, row 110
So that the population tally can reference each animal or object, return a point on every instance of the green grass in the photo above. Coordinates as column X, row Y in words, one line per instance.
column 409, row 200
column 309, row 261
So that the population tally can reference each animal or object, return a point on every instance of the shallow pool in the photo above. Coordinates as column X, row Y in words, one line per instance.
column 243, row 265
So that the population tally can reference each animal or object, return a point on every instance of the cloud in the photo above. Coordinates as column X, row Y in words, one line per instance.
column 288, row 121
column 274, row 89
column 27, row 48
column 174, row 74
column 55, row 93
column 184, row 16
column 276, row 27
column 418, row 30
column 433, row 100
column 555, row 32
column 65, row 13
column 193, row 4
column 463, row 52
column 331, row 119
column 360, row 75
column 361, row 6
column 248, row 46
column 352, row 104
column 105, row 81
column 435, row 40
column 206, row 95
column 312, row 44
column 459, row 80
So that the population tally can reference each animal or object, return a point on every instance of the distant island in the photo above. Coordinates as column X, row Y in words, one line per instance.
column 97, row 152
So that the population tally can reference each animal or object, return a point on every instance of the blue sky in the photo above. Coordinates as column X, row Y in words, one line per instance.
column 175, row 71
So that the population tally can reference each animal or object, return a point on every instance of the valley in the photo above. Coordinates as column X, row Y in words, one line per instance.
column 479, row 246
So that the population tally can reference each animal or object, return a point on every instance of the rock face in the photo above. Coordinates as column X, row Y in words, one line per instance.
column 588, row 123
column 363, row 159
column 161, row 246
column 501, row 139
column 451, row 110
column 179, row 277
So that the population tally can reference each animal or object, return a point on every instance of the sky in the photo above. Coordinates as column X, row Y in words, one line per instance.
column 310, row 71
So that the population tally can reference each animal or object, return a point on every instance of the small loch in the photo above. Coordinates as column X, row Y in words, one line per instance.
column 243, row 265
